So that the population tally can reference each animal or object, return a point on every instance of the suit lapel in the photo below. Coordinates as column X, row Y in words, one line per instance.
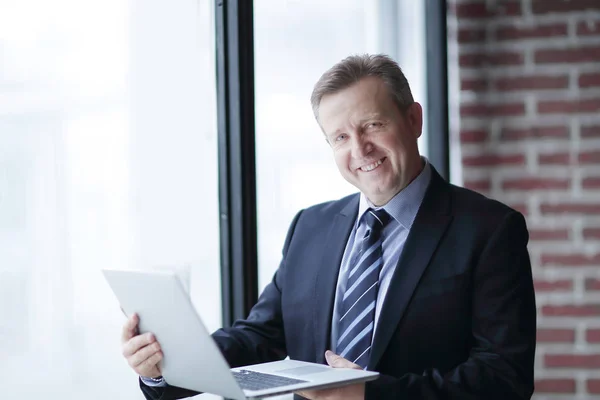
column 326, row 277
column 428, row 228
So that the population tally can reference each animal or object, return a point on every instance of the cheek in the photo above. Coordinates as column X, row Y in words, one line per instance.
column 398, row 147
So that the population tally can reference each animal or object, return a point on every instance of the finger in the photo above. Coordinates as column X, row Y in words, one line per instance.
column 130, row 328
column 337, row 361
column 136, row 343
column 143, row 354
column 150, row 363
column 309, row 394
column 318, row 394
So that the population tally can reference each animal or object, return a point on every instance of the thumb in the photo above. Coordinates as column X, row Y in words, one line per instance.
column 337, row 361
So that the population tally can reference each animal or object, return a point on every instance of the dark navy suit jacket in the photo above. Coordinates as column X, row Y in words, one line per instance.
column 459, row 319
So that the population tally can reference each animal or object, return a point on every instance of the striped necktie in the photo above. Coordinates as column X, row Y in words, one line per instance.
column 357, row 311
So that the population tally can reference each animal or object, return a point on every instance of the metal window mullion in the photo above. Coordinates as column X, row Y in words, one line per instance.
column 236, row 149
column 437, row 86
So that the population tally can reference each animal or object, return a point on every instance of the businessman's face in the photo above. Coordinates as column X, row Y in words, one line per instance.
column 374, row 143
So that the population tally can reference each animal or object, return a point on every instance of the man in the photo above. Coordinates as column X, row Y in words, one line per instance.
column 427, row 283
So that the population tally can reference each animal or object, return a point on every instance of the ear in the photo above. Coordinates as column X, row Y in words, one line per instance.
column 414, row 117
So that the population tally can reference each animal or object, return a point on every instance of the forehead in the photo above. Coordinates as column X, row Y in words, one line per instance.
column 363, row 99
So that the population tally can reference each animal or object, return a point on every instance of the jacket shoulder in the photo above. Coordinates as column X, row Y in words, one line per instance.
column 466, row 202
column 330, row 208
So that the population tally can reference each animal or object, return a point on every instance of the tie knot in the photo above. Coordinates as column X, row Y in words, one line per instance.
column 377, row 219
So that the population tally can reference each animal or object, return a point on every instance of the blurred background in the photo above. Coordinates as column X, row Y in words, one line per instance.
column 109, row 159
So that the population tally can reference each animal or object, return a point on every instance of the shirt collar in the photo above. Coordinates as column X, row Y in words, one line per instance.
column 403, row 207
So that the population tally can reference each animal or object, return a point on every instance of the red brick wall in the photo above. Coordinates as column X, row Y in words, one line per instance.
column 529, row 129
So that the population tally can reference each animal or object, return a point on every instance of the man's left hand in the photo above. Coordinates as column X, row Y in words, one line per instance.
column 349, row 392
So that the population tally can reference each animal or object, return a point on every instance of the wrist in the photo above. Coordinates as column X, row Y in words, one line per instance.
column 153, row 382
column 154, row 379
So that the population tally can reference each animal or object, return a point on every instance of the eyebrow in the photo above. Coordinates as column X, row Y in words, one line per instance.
column 360, row 122
column 371, row 117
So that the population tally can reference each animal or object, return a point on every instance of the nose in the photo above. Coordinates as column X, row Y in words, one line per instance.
column 361, row 147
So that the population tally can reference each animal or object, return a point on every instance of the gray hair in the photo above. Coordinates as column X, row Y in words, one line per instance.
column 356, row 67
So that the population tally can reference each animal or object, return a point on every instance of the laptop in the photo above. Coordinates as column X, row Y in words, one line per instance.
column 192, row 359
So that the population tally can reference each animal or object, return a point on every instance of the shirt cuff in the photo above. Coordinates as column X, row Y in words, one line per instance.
column 153, row 382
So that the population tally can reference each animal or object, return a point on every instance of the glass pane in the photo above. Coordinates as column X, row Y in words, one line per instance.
column 108, row 159
column 295, row 42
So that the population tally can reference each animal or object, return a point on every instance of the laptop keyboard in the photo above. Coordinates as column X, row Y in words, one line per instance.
column 250, row 380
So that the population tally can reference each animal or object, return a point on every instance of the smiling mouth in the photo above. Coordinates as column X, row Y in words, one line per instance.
column 371, row 167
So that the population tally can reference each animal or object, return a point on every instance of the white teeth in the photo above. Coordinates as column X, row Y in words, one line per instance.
column 371, row 167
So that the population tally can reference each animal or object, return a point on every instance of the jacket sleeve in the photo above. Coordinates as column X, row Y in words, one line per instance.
column 501, row 362
column 257, row 339
column 165, row 392
column 260, row 337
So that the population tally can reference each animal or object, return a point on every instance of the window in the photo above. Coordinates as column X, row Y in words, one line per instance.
column 295, row 42
column 108, row 159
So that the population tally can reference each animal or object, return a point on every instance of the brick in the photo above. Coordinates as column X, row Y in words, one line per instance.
column 540, row 234
column 563, row 6
column 535, row 132
column 532, row 82
column 592, row 335
column 555, row 335
column 492, row 110
column 559, row 285
column 471, row 10
column 562, row 158
column 570, row 208
column 572, row 360
column 570, row 260
column 591, row 233
column 494, row 160
column 473, row 136
column 586, row 310
column 590, row 131
column 479, row 10
column 568, row 56
column 535, row 184
column 589, row 157
column 512, row 32
column 471, row 35
column 474, row 85
column 592, row 183
column 592, row 284
column 589, row 80
column 480, row 185
column 510, row 8
column 588, row 28
column 593, row 386
column 485, row 59
column 555, row 385
column 569, row 106
column 520, row 207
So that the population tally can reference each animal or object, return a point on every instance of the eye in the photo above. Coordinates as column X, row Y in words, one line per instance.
column 340, row 137
column 374, row 125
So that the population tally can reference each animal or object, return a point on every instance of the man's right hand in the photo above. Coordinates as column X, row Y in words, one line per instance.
column 141, row 351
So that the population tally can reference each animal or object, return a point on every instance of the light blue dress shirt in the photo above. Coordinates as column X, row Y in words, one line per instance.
column 403, row 209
